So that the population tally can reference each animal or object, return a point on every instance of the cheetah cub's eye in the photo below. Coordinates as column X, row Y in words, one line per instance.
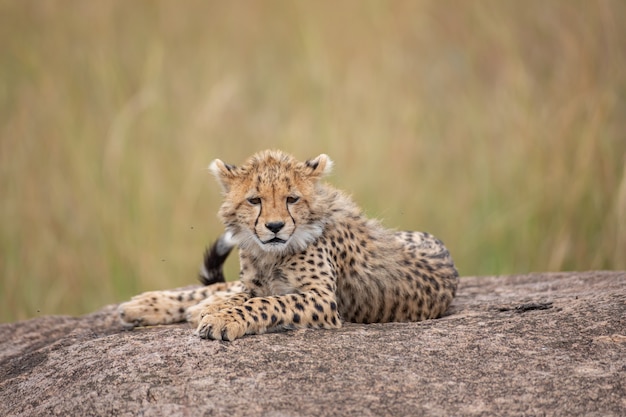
column 292, row 199
column 255, row 201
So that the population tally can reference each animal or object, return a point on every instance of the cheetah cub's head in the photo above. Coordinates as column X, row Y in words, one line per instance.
column 272, row 202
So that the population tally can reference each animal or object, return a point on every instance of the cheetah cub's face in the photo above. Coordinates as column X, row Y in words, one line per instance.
column 270, row 202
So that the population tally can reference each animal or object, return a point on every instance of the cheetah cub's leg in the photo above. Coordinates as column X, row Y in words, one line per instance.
column 166, row 307
column 218, row 301
column 257, row 315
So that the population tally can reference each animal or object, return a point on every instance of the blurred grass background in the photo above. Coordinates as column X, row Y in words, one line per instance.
column 499, row 126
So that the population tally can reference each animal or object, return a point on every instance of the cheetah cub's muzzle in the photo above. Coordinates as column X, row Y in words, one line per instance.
column 274, row 224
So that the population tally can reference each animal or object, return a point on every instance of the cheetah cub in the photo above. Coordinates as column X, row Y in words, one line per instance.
column 308, row 256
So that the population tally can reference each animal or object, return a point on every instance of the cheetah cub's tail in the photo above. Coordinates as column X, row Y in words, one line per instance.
column 214, row 258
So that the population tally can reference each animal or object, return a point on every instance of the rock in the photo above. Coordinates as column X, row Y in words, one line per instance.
column 540, row 344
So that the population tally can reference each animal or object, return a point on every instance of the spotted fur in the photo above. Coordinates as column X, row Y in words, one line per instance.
column 308, row 258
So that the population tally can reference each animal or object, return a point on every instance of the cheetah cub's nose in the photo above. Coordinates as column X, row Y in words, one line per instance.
column 275, row 227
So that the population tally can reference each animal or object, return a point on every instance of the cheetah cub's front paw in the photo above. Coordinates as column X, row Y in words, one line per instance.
column 150, row 309
column 223, row 325
column 195, row 314
column 135, row 314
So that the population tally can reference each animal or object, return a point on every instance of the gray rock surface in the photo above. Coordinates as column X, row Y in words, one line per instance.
column 541, row 344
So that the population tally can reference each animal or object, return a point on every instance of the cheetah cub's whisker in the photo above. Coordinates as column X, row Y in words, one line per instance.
column 308, row 257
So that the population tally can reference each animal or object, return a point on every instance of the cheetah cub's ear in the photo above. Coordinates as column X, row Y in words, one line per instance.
column 319, row 166
column 225, row 173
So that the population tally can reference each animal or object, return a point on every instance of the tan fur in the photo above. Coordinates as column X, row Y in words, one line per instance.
column 309, row 258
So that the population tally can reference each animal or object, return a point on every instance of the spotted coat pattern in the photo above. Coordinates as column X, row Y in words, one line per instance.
column 308, row 258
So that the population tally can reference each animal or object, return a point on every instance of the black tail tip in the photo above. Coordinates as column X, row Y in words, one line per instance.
column 212, row 268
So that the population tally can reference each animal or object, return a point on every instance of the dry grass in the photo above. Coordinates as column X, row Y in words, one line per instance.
column 500, row 126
